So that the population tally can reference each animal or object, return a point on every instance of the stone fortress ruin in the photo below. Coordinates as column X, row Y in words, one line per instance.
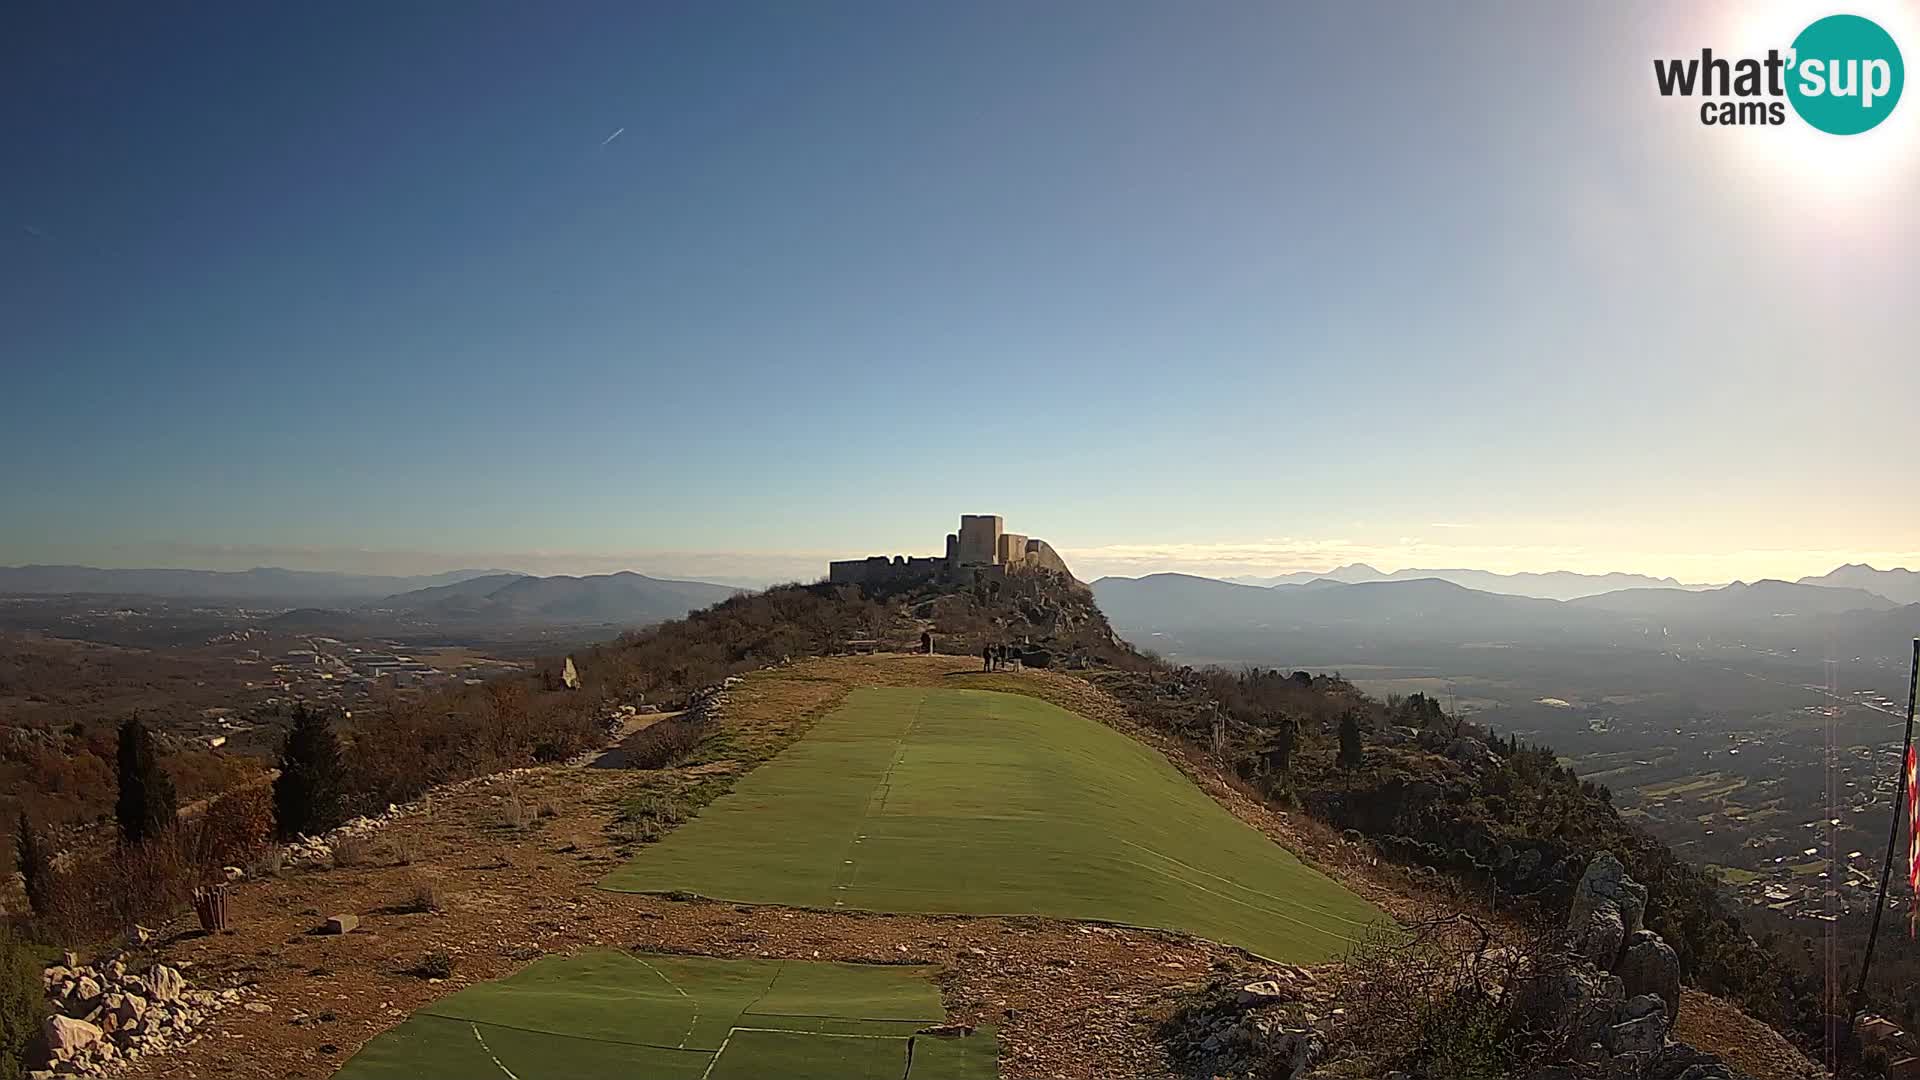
column 981, row 551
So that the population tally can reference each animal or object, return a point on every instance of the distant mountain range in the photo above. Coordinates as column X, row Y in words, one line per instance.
column 1762, row 599
column 1437, row 611
column 625, row 597
column 1900, row 585
column 268, row 586
column 1555, row 585
column 457, row 595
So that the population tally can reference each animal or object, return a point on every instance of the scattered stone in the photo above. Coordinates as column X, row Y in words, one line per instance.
column 165, row 983
column 66, row 1036
column 342, row 924
column 1269, row 992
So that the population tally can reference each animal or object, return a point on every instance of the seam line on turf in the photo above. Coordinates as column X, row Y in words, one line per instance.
column 562, row 1034
column 691, row 1024
column 483, row 1045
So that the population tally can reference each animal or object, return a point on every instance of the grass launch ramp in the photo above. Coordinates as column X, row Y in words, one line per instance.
column 605, row 1015
column 972, row 802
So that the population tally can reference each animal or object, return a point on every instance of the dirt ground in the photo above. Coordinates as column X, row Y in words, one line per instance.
column 1070, row 1001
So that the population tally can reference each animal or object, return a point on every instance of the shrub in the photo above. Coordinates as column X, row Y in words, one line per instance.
column 437, row 964
column 424, row 898
column 20, row 1004
column 667, row 742
column 146, row 805
column 269, row 863
column 309, row 795
column 106, row 892
column 236, row 827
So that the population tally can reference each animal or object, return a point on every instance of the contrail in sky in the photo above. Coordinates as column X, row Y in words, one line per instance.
column 612, row 137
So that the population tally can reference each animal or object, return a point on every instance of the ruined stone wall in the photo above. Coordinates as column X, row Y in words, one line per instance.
column 881, row 570
column 1040, row 554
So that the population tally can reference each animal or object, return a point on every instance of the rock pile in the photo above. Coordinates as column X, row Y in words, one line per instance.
column 314, row 849
column 1275, row 1027
column 106, row 1015
column 709, row 702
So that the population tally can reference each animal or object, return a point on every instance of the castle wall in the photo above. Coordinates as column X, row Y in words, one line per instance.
column 881, row 570
column 982, row 550
column 1041, row 554
column 1011, row 549
column 979, row 539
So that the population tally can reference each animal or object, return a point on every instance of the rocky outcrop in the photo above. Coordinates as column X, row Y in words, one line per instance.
column 1614, row 998
column 1605, row 898
column 1650, row 966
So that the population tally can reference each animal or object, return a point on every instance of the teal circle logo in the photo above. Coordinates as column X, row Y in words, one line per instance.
column 1847, row 74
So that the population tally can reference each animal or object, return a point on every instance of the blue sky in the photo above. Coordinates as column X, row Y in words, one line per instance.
column 1232, row 287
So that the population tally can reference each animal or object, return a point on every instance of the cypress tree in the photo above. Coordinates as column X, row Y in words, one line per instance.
column 147, row 804
column 309, row 796
column 35, row 862
column 1350, row 748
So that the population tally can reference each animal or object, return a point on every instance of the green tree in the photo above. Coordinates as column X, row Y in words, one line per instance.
column 1279, row 751
column 1350, row 747
column 35, row 862
column 147, row 804
column 21, row 1005
column 309, row 796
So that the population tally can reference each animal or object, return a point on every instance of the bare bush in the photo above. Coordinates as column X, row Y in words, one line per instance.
column 667, row 741
column 424, row 898
column 107, row 892
column 1445, row 999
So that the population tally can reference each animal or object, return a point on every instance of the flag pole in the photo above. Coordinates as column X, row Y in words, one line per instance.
column 1893, row 841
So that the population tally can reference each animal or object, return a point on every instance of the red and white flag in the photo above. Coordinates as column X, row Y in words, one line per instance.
column 1913, row 838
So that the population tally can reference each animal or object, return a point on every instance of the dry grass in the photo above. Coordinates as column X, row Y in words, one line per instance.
column 351, row 851
column 424, row 898
column 513, row 812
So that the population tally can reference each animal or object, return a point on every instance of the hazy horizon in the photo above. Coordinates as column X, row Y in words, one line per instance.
column 763, row 568
column 706, row 292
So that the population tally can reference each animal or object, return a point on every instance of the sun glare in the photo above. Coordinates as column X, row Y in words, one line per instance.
column 1833, row 173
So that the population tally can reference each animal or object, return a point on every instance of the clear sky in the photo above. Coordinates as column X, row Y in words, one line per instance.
column 1232, row 287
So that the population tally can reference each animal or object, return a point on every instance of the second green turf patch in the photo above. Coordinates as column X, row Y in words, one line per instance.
column 606, row 1015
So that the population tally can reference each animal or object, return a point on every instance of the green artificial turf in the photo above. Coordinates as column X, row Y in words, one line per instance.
column 972, row 802
column 615, row 1016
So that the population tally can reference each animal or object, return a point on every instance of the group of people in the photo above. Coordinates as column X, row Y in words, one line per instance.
column 995, row 657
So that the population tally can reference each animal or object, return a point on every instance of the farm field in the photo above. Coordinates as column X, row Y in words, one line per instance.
column 603, row 1014
column 974, row 802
